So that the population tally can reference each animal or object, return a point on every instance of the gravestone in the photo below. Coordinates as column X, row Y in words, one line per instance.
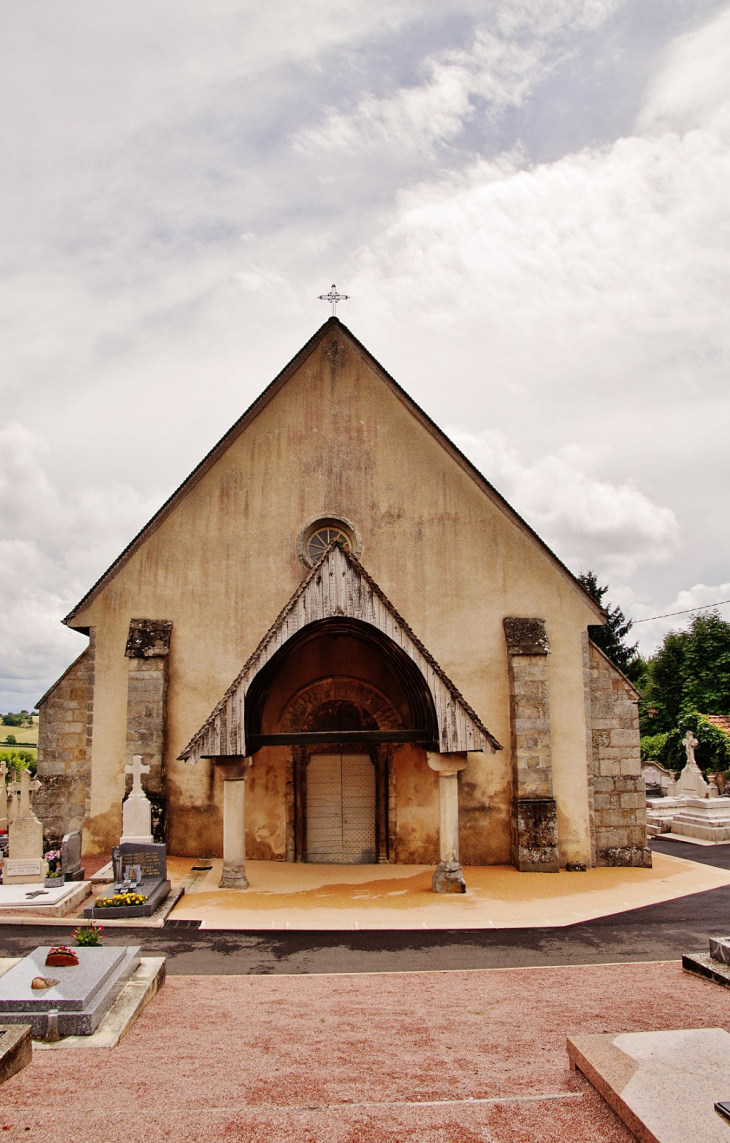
column 137, row 809
column 25, row 863
column 691, row 784
column 71, row 856
column 154, row 885
column 83, row 995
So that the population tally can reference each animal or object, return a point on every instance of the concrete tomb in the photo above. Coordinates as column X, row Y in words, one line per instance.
column 663, row 1085
column 71, row 856
column 25, row 863
column 137, row 869
column 73, row 1006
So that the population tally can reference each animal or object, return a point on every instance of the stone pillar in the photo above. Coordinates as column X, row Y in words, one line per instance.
column 233, row 772
column 148, row 648
column 448, row 877
column 534, row 811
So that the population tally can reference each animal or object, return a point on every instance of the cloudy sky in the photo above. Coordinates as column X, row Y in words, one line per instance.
column 527, row 200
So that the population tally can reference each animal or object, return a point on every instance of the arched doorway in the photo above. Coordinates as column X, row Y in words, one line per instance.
column 341, row 697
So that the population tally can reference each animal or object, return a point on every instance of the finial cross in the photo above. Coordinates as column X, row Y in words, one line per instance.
column 24, row 787
column 137, row 769
column 333, row 297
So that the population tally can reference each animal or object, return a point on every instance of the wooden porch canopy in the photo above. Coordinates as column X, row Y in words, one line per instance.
column 338, row 586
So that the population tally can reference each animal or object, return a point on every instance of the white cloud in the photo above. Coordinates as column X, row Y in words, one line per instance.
column 674, row 615
column 519, row 44
column 164, row 240
column 589, row 522
column 51, row 551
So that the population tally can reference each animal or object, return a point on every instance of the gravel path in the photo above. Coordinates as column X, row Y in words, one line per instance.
column 448, row 1056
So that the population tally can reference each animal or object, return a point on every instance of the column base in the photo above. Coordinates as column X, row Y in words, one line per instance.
column 449, row 878
column 535, row 835
column 234, row 877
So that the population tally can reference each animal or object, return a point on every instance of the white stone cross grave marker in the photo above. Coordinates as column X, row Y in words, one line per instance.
column 691, row 784
column 25, row 836
column 137, row 810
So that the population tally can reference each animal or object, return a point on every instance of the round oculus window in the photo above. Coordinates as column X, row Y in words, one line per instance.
column 320, row 540
column 316, row 536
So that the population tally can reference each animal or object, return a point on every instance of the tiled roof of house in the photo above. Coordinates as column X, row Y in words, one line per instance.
column 721, row 721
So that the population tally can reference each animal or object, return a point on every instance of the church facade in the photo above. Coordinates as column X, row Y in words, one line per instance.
column 336, row 642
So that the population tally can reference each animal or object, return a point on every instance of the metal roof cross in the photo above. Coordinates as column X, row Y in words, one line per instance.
column 334, row 298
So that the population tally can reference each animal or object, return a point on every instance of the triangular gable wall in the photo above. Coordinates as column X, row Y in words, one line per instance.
column 338, row 585
column 333, row 326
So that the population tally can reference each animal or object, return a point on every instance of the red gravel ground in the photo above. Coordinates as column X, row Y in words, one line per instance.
column 357, row 1058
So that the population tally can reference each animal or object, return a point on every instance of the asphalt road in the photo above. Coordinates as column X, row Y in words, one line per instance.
column 656, row 932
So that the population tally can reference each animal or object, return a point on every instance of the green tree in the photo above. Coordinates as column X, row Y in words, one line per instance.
column 11, row 719
column 18, row 760
column 10, row 739
column 611, row 638
column 689, row 672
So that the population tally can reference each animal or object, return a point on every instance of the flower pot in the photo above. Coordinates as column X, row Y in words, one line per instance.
column 55, row 882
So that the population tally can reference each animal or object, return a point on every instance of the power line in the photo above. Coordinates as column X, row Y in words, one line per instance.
column 669, row 614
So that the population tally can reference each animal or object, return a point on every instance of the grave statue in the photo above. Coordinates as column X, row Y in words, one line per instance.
column 137, row 809
column 691, row 784
column 25, row 863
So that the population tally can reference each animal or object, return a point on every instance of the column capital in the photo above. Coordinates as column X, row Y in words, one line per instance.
column 233, row 767
column 446, row 765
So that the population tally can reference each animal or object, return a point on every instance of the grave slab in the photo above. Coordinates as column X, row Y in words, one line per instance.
column 83, row 995
column 152, row 862
column 663, row 1085
column 43, row 902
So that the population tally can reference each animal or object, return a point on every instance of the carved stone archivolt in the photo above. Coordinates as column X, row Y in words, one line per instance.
column 340, row 689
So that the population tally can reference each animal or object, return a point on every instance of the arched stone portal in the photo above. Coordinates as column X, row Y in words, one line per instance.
column 342, row 698
column 340, row 633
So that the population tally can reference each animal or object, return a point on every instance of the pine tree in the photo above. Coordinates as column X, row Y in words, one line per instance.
column 611, row 638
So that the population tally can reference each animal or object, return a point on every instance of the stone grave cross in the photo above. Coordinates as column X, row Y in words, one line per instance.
column 689, row 742
column 24, row 787
column 137, row 809
column 25, row 836
column 137, row 769
column 691, row 783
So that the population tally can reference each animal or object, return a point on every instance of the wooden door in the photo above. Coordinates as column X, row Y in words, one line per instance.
column 341, row 809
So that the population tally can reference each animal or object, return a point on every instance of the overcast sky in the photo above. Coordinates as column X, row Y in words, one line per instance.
column 527, row 200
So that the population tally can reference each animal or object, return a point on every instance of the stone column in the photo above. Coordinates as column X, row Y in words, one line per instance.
column 233, row 772
column 448, row 877
column 148, row 649
column 534, row 811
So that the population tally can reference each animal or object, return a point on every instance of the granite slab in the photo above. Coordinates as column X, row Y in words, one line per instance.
column 702, row 964
column 720, row 949
column 84, row 993
column 663, row 1085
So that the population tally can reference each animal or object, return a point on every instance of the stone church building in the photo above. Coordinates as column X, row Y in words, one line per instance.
column 336, row 642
